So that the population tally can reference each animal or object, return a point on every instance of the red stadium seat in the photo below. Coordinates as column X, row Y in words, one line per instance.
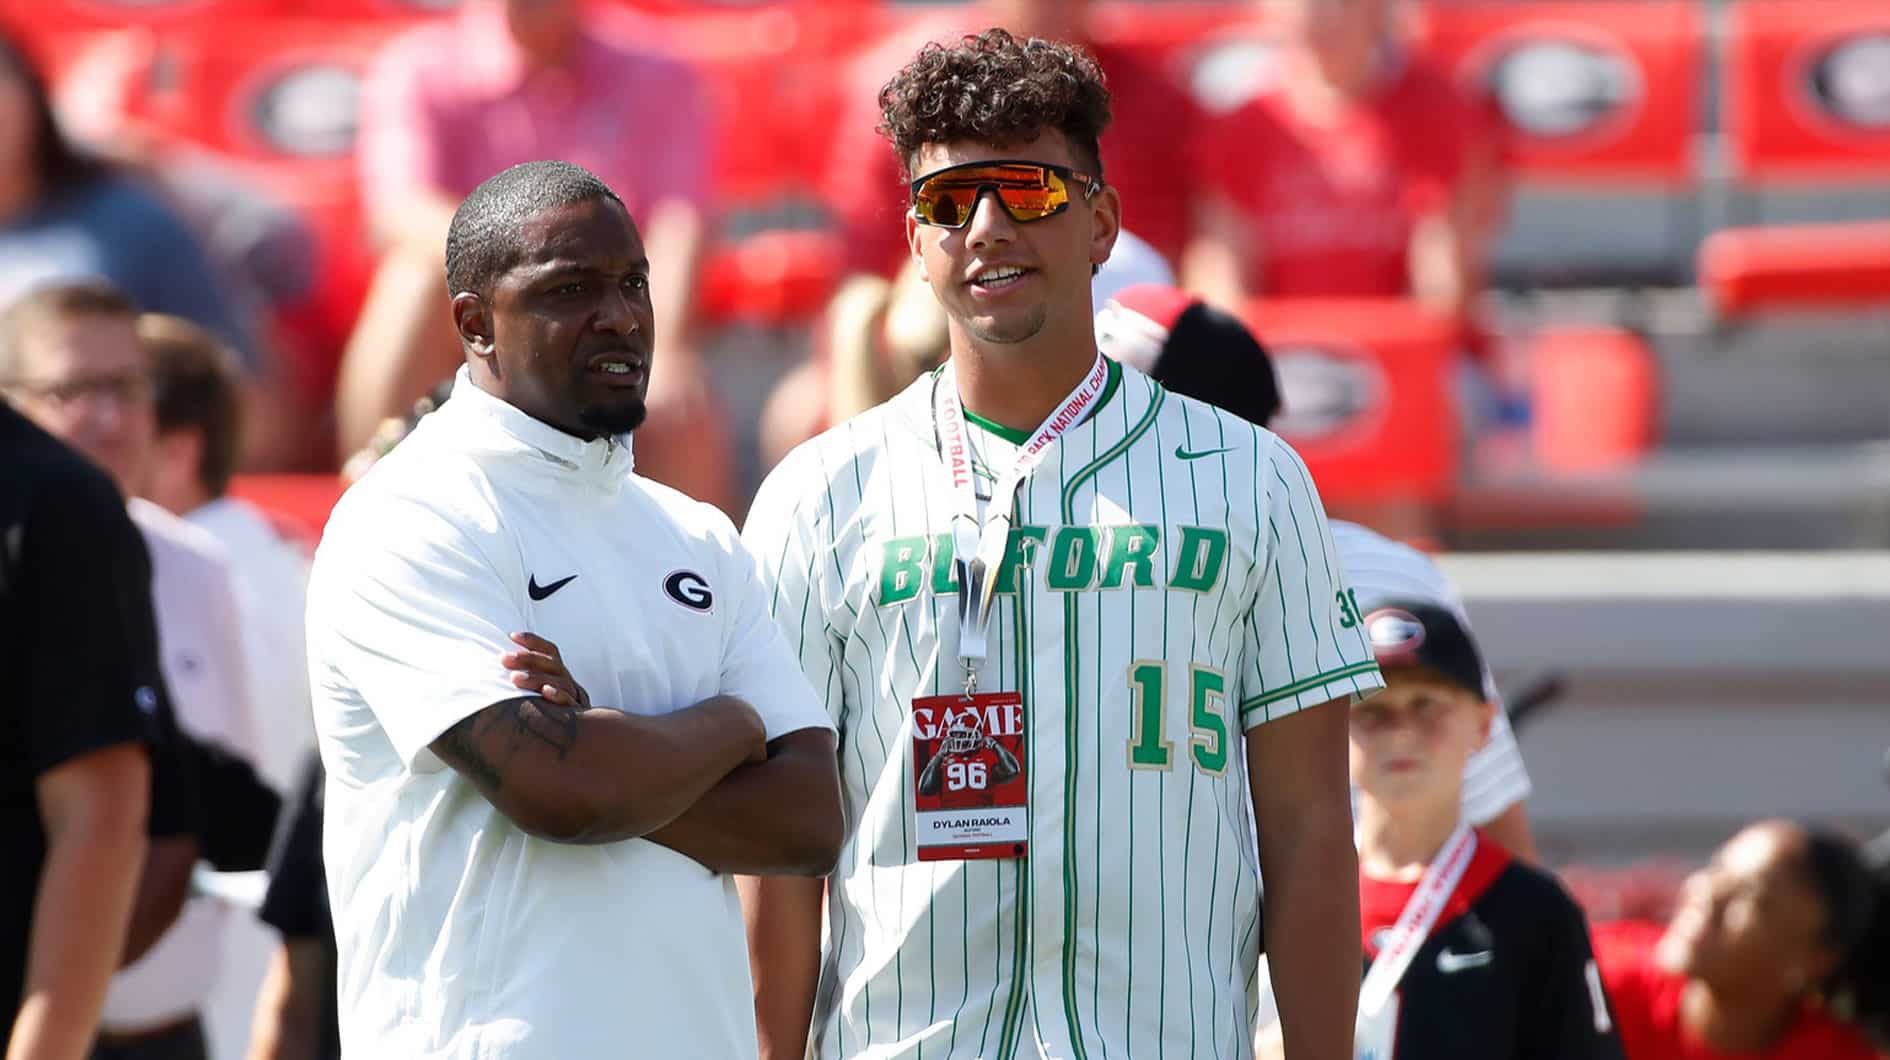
column 1593, row 90
column 1829, row 266
column 1366, row 391
column 277, row 99
column 62, row 16
column 1594, row 398
column 1805, row 93
column 273, row 90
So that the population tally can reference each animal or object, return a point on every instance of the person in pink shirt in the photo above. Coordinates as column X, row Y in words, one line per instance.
column 505, row 82
column 1359, row 170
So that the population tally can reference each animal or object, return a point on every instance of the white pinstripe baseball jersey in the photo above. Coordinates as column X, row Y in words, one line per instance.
column 1170, row 583
column 1495, row 778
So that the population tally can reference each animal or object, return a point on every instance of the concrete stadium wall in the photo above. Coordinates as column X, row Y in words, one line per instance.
column 1704, row 690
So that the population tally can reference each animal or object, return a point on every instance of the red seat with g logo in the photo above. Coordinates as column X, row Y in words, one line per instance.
column 1366, row 394
column 1592, row 90
column 1807, row 90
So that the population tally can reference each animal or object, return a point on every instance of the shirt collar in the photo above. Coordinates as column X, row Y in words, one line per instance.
column 496, row 425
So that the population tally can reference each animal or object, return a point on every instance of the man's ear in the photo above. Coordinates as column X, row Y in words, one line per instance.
column 1106, row 224
column 473, row 321
column 912, row 244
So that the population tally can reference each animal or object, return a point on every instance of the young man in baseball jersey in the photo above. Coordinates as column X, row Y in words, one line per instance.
column 514, row 875
column 1132, row 594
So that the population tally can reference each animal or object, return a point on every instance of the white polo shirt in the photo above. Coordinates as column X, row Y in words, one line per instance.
column 200, row 651
column 459, row 934
column 1495, row 778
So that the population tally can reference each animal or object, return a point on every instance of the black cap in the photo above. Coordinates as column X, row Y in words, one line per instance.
column 1211, row 356
column 1406, row 632
column 1197, row 350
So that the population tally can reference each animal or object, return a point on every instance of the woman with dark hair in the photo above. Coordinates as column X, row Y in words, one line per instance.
column 1779, row 950
column 66, row 215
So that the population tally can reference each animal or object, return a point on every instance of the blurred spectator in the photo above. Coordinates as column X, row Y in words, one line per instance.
column 200, row 436
column 1152, row 118
column 64, row 215
column 296, row 1017
column 263, row 250
column 1132, row 263
column 80, row 372
column 1779, row 949
column 78, row 675
column 510, row 81
column 1359, row 170
column 875, row 338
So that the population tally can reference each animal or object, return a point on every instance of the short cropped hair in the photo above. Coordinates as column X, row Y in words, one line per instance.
column 197, row 385
column 996, row 89
column 66, row 300
column 483, row 242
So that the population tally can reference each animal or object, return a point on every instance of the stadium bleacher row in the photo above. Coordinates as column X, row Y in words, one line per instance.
column 1621, row 111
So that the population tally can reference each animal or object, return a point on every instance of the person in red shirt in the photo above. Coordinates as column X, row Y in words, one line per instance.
column 1359, row 170
column 1470, row 954
column 1151, row 119
column 1779, row 950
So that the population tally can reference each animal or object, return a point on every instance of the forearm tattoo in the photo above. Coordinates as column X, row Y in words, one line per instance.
column 481, row 744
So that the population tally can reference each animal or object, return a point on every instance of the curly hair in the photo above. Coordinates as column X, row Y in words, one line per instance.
column 996, row 89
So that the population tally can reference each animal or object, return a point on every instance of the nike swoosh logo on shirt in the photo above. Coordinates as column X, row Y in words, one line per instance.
column 1181, row 452
column 539, row 592
column 1450, row 963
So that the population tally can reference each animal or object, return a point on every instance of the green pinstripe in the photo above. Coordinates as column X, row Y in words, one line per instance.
column 1161, row 790
column 1008, row 1041
column 1128, row 999
column 1072, row 754
column 1187, row 828
column 1358, row 669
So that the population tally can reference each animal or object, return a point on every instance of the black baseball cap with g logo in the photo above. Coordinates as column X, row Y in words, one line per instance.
column 1410, row 632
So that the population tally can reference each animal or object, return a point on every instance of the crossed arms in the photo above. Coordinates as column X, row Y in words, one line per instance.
column 703, row 781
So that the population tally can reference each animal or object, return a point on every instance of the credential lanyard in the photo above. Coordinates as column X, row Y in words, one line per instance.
column 978, row 547
column 1414, row 924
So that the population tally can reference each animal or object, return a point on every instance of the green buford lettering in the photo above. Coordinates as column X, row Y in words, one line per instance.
column 1199, row 559
column 1073, row 558
column 902, row 571
column 1132, row 548
column 944, row 566
column 1080, row 559
column 1018, row 549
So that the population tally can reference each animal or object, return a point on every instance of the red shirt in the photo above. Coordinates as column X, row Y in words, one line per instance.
column 449, row 104
column 1646, row 1002
column 1152, row 120
column 1333, row 206
column 1381, row 901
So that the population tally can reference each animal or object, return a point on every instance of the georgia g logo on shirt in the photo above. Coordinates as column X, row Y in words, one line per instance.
column 687, row 588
